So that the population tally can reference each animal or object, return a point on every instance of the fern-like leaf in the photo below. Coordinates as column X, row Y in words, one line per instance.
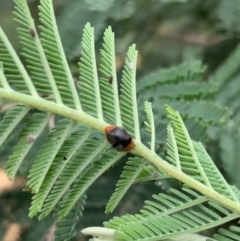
column 230, row 152
column 47, row 154
column 99, row 166
column 184, row 72
column 215, row 177
column 108, row 83
column 227, row 70
column 33, row 127
column 191, row 158
column 76, row 165
column 170, row 215
column 68, row 150
column 172, row 149
column 40, row 71
column 131, row 170
column 89, row 84
column 204, row 111
column 11, row 119
column 128, row 94
column 231, row 234
column 190, row 163
column 65, row 229
column 55, row 55
column 13, row 68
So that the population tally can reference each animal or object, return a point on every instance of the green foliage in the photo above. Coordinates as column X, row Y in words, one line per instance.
column 74, row 155
column 55, row 55
column 108, row 83
column 167, row 214
column 88, row 75
column 131, row 171
column 95, row 12
column 65, row 229
column 77, row 13
column 34, row 126
column 230, row 234
column 181, row 87
column 11, row 120
column 68, row 152
column 226, row 12
column 229, row 144
column 128, row 102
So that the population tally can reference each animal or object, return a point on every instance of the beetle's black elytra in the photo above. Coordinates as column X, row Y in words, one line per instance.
column 119, row 138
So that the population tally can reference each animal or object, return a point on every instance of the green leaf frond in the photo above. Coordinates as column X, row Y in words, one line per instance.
column 14, row 71
column 87, row 152
column 72, row 158
column 227, row 95
column 204, row 111
column 218, row 182
column 33, row 127
column 108, row 83
column 73, row 13
column 99, row 166
column 185, row 72
column 89, row 84
column 150, row 173
column 131, row 171
column 189, row 161
column 172, row 149
column 65, row 229
column 230, row 234
column 182, row 89
column 170, row 215
column 33, row 52
column 150, row 126
column 227, row 70
column 68, row 151
column 55, row 55
column 128, row 102
column 48, row 152
column 191, row 157
column 230, row 152
column 10, row 121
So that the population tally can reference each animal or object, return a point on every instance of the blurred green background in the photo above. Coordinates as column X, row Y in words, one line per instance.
column 166, row 33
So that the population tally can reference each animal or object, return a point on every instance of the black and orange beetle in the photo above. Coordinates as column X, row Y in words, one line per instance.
column 119, row 138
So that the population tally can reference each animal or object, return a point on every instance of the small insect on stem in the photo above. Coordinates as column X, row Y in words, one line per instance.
column 119, row 138
column 110, row 80
column 32, row 33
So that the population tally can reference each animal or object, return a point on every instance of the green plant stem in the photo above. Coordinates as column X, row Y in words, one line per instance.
column 141, row 149
column 175, row 173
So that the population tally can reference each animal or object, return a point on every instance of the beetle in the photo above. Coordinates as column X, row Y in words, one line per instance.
column 119, row 138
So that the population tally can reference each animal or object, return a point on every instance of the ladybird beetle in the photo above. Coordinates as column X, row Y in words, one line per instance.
column 119, row 138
